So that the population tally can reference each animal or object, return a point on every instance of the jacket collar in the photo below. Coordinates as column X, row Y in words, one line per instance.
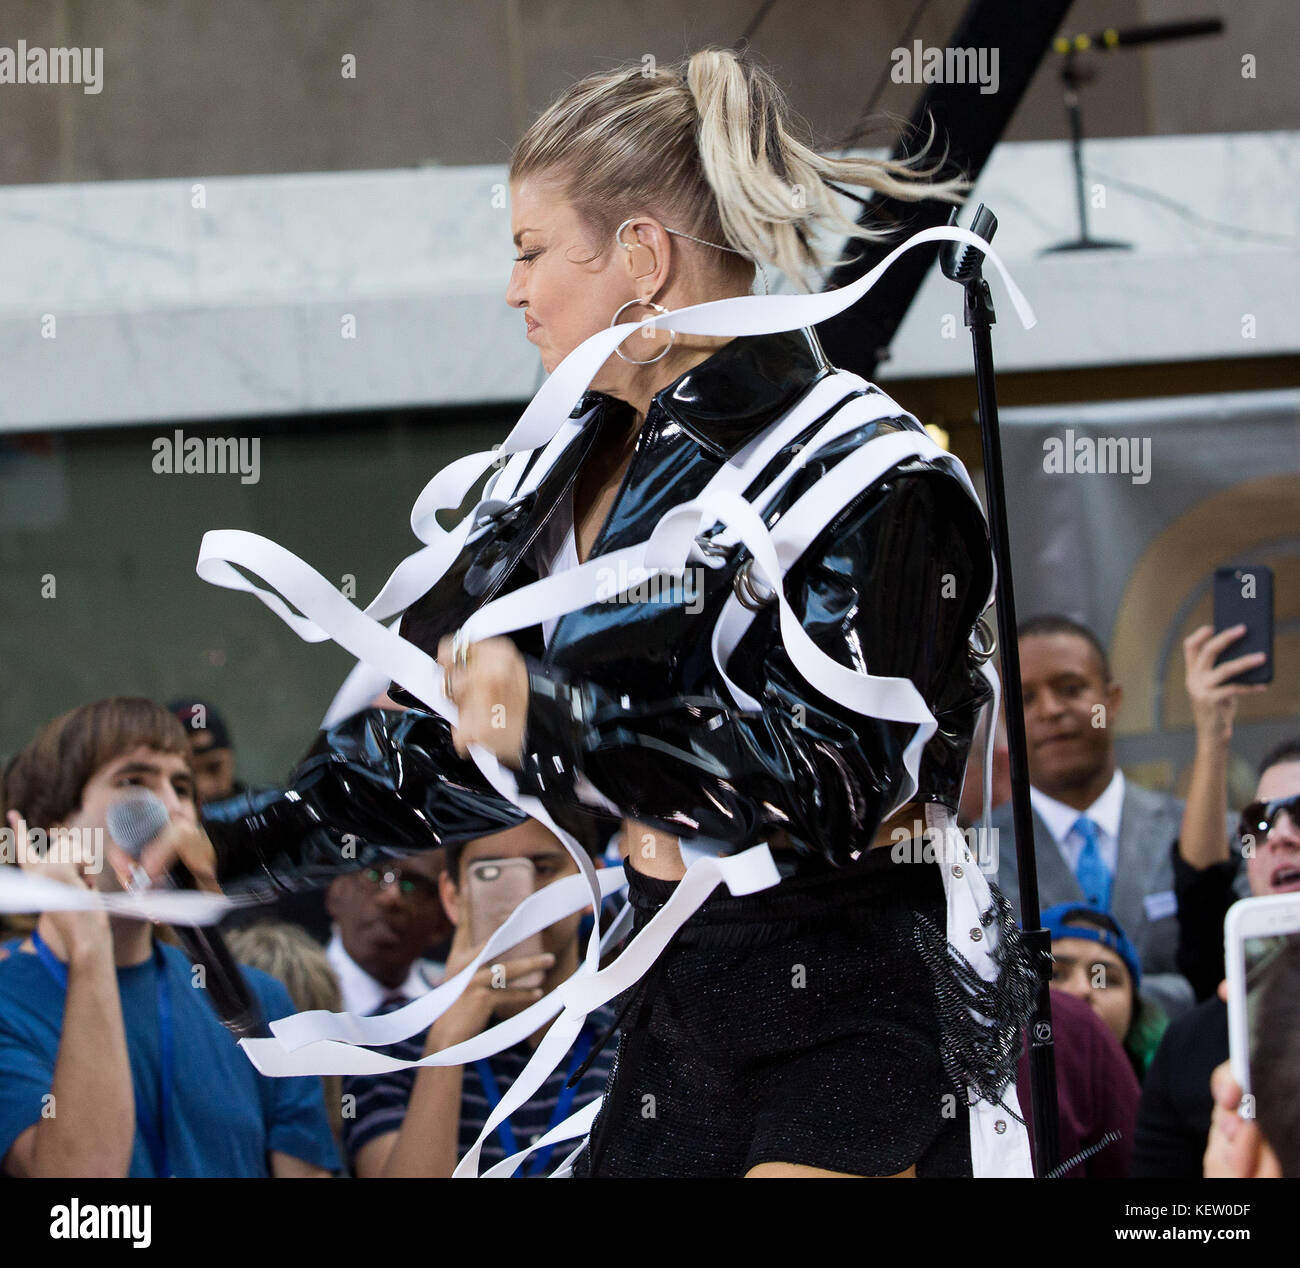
column 733, row 394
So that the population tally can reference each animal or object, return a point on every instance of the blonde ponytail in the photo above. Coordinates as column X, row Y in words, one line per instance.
column 772, row 190
column 707, row 146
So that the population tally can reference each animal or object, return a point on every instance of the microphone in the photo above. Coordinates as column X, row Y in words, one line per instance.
column 135, row 820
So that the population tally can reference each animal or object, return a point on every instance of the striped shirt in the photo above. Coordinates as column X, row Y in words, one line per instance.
column 381, row 1099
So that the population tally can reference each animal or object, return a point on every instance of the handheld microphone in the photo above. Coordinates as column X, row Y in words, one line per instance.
column 134, row 821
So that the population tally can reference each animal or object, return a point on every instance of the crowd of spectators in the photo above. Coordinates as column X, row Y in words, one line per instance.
column 114, row 1062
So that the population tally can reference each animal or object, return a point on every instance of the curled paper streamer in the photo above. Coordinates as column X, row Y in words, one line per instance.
column 24, row 892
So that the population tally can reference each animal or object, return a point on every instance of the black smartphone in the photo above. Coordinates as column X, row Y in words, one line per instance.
column 1244, row 596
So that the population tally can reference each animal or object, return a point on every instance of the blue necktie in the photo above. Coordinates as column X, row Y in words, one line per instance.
column 1091, row 870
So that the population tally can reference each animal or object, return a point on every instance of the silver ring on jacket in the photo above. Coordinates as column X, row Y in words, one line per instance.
column 752, row 593
column 987, row 645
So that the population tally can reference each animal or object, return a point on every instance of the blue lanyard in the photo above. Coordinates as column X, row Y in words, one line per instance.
column 154, row 1133
column 537, row 1164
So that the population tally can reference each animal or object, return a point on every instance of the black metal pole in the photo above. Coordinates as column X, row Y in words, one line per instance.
column 1074, row 115
column 963, row 264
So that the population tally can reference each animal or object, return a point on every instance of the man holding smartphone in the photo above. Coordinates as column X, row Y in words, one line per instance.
column 1207, row 870
column 1175, row 1113
column 419, row 1122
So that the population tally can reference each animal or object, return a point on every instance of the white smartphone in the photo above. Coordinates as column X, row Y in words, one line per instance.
column 1255, row 931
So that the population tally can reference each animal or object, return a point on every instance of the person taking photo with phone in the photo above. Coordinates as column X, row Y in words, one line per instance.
column 1177, row 1101
column 1208, row 877
column 419, row 1122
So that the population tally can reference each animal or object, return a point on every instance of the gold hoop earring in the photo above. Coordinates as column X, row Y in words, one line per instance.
column 672, row 334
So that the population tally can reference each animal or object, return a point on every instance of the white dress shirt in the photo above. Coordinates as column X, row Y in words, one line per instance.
column 1104, row 812
column 362, row 994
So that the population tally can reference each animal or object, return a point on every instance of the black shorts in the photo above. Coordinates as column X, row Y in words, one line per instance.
column 797, row 1025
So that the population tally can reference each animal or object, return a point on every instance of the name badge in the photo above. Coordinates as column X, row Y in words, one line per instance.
column 1161, row 906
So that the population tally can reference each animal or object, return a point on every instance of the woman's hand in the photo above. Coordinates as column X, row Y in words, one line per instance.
column 491, row 693
column 1214, row 700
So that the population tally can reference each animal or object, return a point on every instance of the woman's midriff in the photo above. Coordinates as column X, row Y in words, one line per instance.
column 657, row 853
column 653, row 852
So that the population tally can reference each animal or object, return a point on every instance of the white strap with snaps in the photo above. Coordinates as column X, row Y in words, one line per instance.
column 999, row 1139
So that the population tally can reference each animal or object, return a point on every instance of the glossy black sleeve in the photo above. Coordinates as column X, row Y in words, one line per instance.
column 380, row 784
column 895, row 583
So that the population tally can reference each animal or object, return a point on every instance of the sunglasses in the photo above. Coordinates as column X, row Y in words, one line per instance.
column 1260, row 817
column 409, row 885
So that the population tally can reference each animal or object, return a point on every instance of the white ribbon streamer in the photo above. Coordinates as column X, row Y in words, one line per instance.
column 745, row 873
column 538, row 911
column 27, row 892
column 547, row 415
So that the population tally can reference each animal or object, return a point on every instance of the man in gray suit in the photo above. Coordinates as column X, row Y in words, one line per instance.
column 1098, row 838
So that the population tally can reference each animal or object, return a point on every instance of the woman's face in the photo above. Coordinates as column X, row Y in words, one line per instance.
column 565, row 294
column 1095, row 974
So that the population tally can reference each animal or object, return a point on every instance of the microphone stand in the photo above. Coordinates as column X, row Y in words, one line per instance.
column 964, row 264
column 1073, row 77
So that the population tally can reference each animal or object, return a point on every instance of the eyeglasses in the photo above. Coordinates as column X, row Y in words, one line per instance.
column 409, row 884
column 1260, row 817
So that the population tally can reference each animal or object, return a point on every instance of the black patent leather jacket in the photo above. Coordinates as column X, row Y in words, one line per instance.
column 625, row 698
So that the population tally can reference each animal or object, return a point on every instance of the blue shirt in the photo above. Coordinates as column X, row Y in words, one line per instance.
column 225, row 1118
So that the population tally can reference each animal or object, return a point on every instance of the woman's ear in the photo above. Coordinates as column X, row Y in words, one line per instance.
column 640, row 265
column 646, row 246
